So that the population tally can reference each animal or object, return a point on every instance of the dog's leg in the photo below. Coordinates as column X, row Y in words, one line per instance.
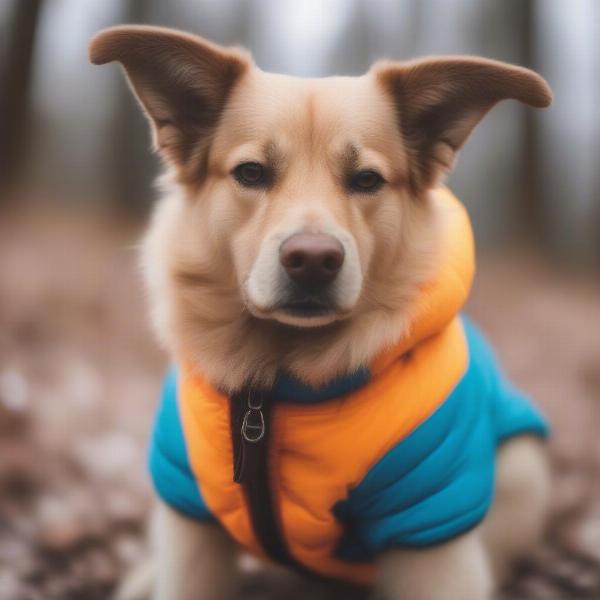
column 458, row 569
column 194, row 561
column 518, row 516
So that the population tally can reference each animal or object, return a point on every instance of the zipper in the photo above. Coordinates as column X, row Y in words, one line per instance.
column 251, row 411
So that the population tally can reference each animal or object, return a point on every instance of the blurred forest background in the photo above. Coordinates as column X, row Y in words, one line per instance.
column 79, row 371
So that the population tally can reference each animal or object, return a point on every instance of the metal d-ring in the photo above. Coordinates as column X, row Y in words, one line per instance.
column 247, row 427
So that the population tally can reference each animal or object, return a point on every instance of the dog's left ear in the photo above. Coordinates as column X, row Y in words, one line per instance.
column 181, row 80
column 440, row 100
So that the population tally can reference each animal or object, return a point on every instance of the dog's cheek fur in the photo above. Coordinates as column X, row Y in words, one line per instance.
column 407, row 241
column 154, row 262
column 185, row 260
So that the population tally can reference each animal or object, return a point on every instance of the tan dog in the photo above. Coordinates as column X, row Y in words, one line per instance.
column 328, row 182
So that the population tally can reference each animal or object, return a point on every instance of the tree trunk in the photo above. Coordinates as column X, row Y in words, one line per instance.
column 15, row 84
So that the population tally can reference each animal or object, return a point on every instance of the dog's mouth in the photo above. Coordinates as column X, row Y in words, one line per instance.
column 307, row 307
column 307, row 310
column 302, row 311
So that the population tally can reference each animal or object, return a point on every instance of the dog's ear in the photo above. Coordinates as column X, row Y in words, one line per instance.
column 181, row 81
column 440, row 100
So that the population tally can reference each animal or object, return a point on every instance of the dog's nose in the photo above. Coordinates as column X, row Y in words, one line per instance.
column 312, row 259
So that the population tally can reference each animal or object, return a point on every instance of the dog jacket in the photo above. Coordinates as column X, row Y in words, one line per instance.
column 399, row 454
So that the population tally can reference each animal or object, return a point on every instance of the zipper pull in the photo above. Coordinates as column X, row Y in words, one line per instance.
column 252, row 431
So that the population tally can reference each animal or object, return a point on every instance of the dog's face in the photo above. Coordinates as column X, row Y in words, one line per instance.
column 315, row 180
column 301, row 201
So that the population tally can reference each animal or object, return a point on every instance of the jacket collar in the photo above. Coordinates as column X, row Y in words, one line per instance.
column 441, row 299
column 288, row 388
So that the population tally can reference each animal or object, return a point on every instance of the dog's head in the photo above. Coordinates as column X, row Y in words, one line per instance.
column 300, row 201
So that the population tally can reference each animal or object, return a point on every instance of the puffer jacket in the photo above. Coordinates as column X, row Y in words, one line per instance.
column 398, row 454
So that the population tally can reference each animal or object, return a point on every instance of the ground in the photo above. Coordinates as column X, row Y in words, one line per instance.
column 80, row 374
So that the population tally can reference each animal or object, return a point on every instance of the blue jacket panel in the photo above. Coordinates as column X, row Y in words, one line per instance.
column 439, row 481
column 168, row 459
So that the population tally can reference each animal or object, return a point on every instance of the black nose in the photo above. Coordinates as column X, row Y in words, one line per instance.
column 312, row 260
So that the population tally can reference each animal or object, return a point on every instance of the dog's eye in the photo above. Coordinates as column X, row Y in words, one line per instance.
column 251, row 174
column 366, row 181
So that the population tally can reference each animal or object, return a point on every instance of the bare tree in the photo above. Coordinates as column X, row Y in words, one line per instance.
column 15, row 84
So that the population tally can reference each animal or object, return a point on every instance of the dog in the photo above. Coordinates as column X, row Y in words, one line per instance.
column 329, row 409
